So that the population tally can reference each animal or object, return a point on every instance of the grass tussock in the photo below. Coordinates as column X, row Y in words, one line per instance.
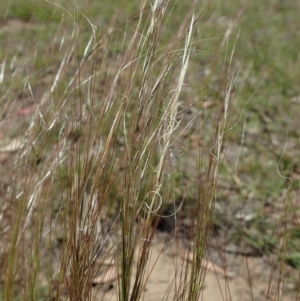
column 98, row 160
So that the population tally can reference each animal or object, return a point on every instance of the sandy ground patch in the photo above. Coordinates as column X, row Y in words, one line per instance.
column 249, row 278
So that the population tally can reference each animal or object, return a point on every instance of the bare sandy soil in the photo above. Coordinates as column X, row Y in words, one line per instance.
column 251, row 278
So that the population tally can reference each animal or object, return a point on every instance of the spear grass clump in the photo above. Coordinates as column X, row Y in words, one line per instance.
column 95, row 164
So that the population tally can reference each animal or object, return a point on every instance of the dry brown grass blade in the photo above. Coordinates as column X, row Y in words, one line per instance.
column 12, row 146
